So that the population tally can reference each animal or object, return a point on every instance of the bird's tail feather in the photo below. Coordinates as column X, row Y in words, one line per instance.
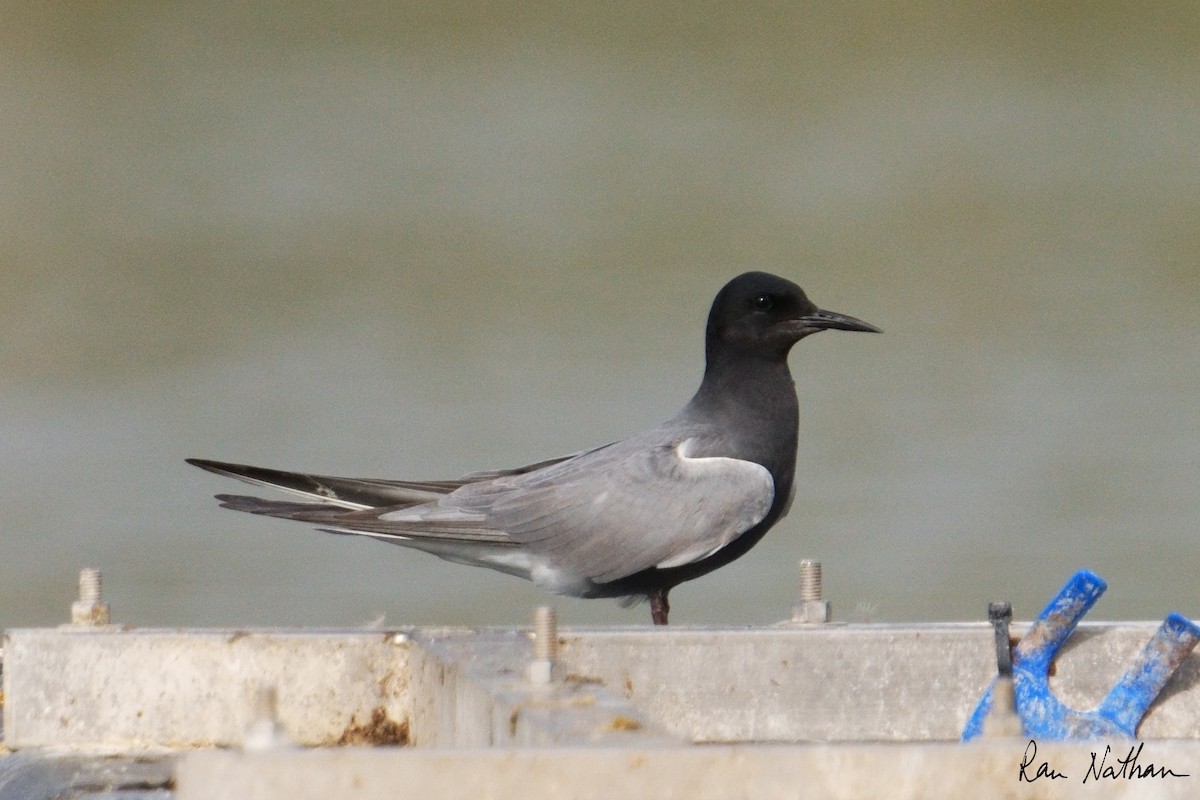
column 348, row 493
column 462, row 545
column 317, row 513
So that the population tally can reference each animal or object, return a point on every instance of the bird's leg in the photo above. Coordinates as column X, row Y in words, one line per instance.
column 659, row 607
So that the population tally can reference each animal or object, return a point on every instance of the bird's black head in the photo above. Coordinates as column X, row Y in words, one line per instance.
column 758, row 314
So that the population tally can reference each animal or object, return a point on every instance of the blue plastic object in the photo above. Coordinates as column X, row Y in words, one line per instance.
column 1044, row 716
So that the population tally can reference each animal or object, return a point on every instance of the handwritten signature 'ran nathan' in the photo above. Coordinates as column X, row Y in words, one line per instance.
column 1126, row 768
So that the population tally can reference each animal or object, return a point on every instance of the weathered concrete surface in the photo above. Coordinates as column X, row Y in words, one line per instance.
column 127, row 689
column 927, row 771
column 473, row 691
column 53, row 776
column 852, row 683
column 108, row 689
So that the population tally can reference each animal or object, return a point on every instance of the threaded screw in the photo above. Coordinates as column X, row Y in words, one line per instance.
column 810, row 580
column 811, row 606
column 91, row 583
column 90, row 610
column 545, row 633
column 545, row 646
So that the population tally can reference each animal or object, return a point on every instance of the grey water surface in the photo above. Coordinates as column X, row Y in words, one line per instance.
column 420, row 239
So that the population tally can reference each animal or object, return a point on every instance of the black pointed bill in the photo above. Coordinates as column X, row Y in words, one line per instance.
column 820, row 320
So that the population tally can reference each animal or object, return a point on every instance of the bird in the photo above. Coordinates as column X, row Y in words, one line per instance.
column 630, row 519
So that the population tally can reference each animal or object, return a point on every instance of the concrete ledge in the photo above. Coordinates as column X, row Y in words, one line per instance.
column 853, row 683
column 38, row 775
column 117, row 690
column 112, row 689
column 621, row 717
column 123, row 690
column 990, row 770
column 471, row 690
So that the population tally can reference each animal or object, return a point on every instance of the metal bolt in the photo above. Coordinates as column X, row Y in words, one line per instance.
column 90, row 610
column 90, row 585
column 264, row 732
column 811, row 608
column 1003, row 719
column 810, row 580
column 1000, row 615
column 545, row 646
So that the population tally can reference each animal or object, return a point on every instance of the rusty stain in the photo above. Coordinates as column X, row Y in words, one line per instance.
column 572, row 677
column 577, row 700
column 381, row 730
column 623, row 723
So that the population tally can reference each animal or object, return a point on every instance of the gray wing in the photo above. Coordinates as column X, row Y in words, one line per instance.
column 358, row 493
column 610, row 512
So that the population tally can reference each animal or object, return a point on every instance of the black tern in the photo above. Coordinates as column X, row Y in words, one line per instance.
column 629, row 519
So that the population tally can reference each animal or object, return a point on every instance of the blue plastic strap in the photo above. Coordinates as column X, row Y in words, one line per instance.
column 1043, row 715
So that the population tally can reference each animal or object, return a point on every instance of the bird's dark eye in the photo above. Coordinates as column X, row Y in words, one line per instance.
column 764, row 302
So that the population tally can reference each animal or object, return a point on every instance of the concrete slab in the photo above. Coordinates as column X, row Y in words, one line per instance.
column 121, row 690
column 114, row 689
column 927, row 771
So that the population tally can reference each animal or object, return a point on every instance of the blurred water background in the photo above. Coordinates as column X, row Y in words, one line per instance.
column 419, row 239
